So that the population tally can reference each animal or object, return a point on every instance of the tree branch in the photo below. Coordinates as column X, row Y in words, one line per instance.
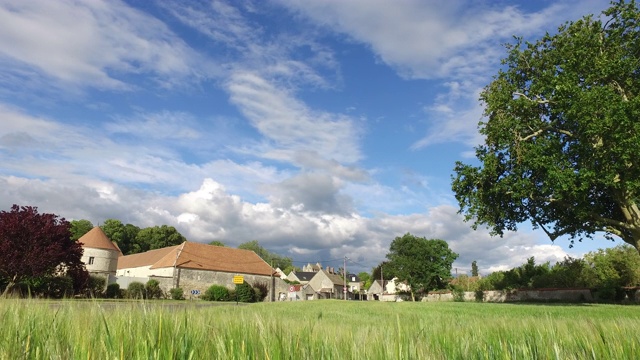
column 538, row 99
column 538, row 132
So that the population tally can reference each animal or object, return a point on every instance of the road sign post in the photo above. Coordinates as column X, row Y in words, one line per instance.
column 238, row 279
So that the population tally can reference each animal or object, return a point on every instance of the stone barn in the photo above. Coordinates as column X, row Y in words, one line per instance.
column 194, row 267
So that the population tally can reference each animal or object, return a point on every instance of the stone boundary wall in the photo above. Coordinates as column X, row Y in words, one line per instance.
column 569, row 295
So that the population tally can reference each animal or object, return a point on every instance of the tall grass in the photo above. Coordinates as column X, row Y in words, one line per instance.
column 316, row 330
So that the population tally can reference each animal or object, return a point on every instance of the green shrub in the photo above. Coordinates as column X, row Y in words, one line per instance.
column 479, row 294
column 135, row 290
column 216, row 293
column 177, row 294
column 261, row 290
column 458, row 294
column 113, row 291
column 95, row 286
column 57, row 287
column 245, row 293
column 152, row 290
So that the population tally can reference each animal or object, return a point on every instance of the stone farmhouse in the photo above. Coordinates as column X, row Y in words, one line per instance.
column 194, row 267
column 190, row 266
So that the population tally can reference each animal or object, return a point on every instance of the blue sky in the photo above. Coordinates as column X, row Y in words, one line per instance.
column 322, row 129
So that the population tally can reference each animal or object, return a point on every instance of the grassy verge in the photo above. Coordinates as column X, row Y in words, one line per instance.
column 317, row 330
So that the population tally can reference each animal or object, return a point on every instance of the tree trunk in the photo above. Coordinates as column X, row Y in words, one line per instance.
column 9, row 287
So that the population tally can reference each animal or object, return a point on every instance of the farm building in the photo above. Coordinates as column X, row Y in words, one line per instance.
column 195, row 266
column 100, row 254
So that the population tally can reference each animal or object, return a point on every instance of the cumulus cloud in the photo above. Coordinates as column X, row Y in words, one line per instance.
column 313, row 192
column 212, row 213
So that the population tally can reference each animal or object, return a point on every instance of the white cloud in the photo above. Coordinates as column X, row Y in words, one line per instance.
column 92, row 43
column 432, row 39
column 457, row 41
column 290, row 124
column 163, row 125
column 44, row 148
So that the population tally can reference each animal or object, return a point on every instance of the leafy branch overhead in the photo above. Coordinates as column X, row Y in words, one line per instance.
column 562, row 134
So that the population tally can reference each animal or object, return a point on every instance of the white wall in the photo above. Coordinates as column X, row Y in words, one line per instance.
column 145, row 272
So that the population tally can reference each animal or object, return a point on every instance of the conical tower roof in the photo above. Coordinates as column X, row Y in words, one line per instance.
column 97, row 239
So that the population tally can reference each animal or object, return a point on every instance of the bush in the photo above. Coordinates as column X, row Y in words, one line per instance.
column 95, row 286
column 113, row 291
column 261, row 290
column 152, row 290
column 177, row 294
column 245, row 293
column 479, row 294
column 216, row 293
column 135, row 290
column 458, row 294
column 57, row 287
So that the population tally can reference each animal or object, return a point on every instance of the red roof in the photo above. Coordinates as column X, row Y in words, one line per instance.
column 191, row 255
column 97, row 239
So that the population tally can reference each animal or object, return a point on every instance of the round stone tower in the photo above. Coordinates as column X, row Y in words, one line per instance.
column 100, row 254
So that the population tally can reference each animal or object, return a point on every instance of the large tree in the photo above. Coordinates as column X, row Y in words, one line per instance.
column 157, row 237
column 79, row 228
column 123, row 235
column 424, row 264
column 35, row 246
column 273, row 259
column 562, row 134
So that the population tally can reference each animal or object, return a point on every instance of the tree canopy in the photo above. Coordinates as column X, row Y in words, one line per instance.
column 424, row 264
column 34, row 245
column 157, row 237
column 124, row 235
column 474, row 268
column 562, row 134
column 79, row 228
column 273, row 259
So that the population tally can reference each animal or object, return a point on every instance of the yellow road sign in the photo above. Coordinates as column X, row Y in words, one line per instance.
column 238, row 279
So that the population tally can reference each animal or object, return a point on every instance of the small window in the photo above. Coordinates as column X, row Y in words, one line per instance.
column 91, row 258
column 353, row 278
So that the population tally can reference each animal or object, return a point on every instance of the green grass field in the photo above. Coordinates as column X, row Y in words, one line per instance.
column 328, row 329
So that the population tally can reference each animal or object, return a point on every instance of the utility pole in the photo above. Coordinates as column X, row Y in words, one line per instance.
column 344, row 279
column 382, row 283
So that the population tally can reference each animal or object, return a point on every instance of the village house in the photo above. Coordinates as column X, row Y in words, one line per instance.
column 354, row 283
column 302, row 277
column 389, row 290
column 329, row 285
column 375, row 291
column 298, row 292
